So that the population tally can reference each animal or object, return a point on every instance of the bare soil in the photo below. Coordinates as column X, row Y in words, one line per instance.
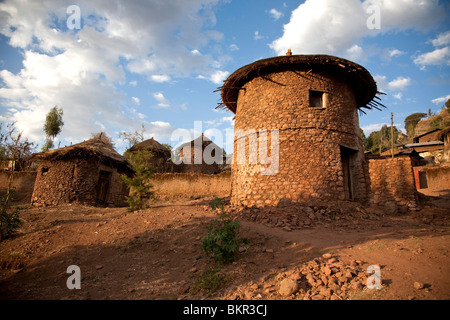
column 156, row 253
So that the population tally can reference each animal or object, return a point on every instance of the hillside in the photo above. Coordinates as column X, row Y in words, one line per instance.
column 440, row 120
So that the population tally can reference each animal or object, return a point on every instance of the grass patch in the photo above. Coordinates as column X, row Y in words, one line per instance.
column 210, row 281
column 13, row 260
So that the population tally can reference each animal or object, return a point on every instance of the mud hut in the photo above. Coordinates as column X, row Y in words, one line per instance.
column 200, row 155
column 87, row 173
column 312, row 103
column 159, row 158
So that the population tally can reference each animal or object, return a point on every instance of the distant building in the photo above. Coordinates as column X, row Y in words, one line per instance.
column 159, row 159
column 200, row 155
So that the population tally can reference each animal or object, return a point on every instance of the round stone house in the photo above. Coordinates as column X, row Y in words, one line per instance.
column 297, row 132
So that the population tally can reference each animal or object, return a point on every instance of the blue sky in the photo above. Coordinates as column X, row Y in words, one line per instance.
column 157, row 63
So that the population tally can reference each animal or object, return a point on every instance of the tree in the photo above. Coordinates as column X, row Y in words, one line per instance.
column 139, row 183
column 133, row 137
column 411, row 122
column 13, row 149
column 53, row 126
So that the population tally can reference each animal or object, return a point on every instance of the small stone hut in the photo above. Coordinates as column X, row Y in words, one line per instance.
column 200, row 155
column 87, row 173
column 159, row 159
column 312, row 101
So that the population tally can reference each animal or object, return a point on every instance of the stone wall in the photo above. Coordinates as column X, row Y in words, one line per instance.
column 188, row 185
column 23, row 182
column 310, row 139
column 392, row 182
column 68, row 181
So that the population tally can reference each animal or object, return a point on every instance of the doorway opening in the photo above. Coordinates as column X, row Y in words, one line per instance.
column 347, row 160
column 104, row 180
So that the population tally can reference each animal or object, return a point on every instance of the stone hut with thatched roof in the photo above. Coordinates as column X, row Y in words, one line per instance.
column 312, row 102
column 159, row 157
column 200, row 155
column 87, row 173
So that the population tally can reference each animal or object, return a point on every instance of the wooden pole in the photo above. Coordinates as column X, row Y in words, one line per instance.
column 392, row 134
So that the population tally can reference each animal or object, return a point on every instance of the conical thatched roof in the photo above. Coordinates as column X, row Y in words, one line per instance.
column 201, row 140
column 150, row 145
column 99, row 148
column 359, row 78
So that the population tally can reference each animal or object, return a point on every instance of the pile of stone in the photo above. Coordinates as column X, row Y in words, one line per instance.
column 324, row 278
column 297, row 216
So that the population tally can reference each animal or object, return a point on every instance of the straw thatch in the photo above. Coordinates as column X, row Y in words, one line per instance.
column 151, row 145
column 359, row 78
column 99, row 148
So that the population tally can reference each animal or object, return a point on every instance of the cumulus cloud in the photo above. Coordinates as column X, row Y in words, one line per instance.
column 275, row 14
column 439, row 56
column 335, row 27
column 162, row 101
column 81, row 70
column 398, row 84
column 441, row 99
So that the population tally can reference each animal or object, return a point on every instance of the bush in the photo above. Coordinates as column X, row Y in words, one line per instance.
column 9, row 219
column 139, row 183
column 222, row 239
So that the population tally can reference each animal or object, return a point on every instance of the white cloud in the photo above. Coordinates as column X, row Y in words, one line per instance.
column 162, row 101
column 136, row 101
column 398, row 84
column 371, row 128
column 219, row 76
column 160, row 78
column 439, row 56
column 258, row 36
column 443, row 39
column 396, row 52
column 334, row 27
column 234, row 47
column 275, row 14
column 398, row 96
column 436, row 57
column 441, row 99
column 81, row 71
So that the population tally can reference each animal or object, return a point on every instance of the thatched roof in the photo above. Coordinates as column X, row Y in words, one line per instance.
column 150, row 145
column 359, row 78
column 99, row 148
column 200, row 140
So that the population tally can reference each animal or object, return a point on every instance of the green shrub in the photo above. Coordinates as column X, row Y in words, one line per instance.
column 9, row 218
column 210, row 281
column 222, row 239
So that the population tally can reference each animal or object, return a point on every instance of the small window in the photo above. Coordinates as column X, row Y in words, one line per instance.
column 316, row 99
column 44, row 170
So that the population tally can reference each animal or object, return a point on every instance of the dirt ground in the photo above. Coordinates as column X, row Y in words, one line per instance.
column 156, row 253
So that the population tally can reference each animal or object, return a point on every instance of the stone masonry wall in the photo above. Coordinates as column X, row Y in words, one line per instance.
column 67, row 181
column 309, row 139
column 392, row 182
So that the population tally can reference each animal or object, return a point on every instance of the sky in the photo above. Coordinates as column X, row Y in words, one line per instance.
column 114, row 66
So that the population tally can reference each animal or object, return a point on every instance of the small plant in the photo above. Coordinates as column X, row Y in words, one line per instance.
column 210, row 281
column 222, row 239
column 9, row 218
column 141, row 188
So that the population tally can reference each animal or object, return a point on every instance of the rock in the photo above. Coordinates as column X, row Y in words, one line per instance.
column 288, row 287
column 283, row 202
column 418, row 285
column 312, row 216
column 98, row 267
column 308, row 210
column 326, row 256
column 269, row 250
column 327, row 271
